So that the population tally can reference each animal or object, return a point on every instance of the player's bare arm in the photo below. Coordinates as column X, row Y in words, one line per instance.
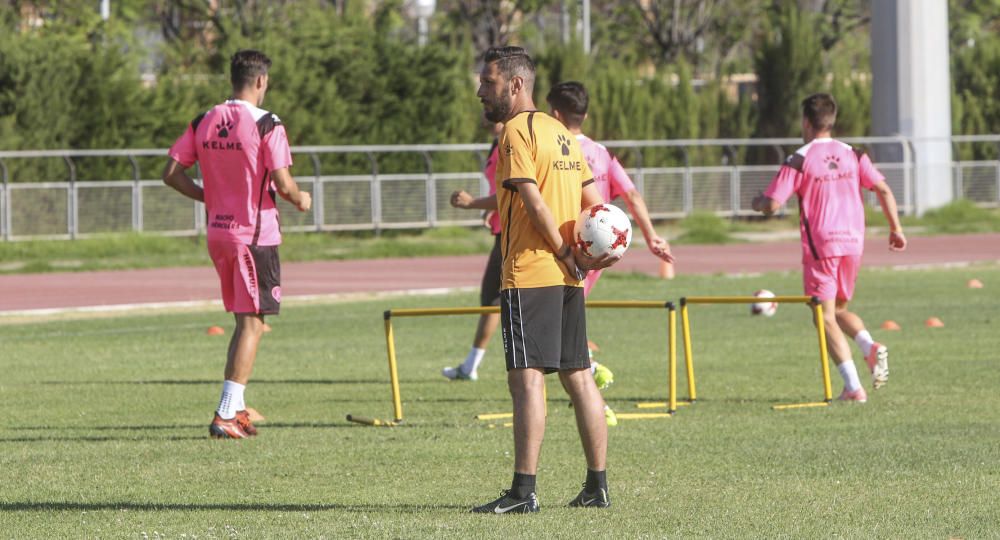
column 656, row 244
column 462, row 199
column 175, row 175
column 589, row 196
column 765, row 205
column 289, row 190
column 897, row 241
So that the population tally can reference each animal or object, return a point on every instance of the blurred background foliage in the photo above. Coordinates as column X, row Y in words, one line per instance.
column 352, row 72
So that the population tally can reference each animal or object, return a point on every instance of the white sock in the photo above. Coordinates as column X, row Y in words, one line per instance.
column 850, row 375
column 473, row 360
column 231, row 400
column 865, row 341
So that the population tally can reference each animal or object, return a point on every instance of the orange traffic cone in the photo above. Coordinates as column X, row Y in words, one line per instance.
column 253, row 415
column 890, row 325
column 666, row 270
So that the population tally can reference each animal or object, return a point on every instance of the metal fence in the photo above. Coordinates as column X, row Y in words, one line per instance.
column 67, row 207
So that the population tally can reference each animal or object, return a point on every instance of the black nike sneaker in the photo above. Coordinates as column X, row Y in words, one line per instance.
column 592, row 499
column 508, row 504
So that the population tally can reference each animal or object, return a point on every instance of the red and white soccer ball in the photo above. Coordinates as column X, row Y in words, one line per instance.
column 603, row 228
column 767, row 309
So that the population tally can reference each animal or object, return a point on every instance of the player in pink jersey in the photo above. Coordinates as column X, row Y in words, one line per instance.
column 569, row 102
column 244, row 157
column 828, row 176
column 489, row 290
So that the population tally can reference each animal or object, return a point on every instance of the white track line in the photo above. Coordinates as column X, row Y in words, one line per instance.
column 358, row 296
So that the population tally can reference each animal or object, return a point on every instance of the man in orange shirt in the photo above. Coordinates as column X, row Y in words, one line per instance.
column 544, row 183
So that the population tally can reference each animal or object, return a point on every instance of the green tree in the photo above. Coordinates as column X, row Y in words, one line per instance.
column 73, row 83
column 707, row 34
column 789, row 67
column 975, row 73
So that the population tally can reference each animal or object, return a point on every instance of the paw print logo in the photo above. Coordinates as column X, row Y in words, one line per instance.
column 509, row 149
column 564, row 143
column 832, row 162
column 224, row 128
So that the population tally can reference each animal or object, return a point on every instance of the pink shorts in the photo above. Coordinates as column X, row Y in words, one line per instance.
column 831, row 278
column 250, row 277
column 591, row 280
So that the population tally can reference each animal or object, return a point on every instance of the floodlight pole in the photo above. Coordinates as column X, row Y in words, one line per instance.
column 564, row 22
column 105, row 9
column 424, row 11
column 422, row 31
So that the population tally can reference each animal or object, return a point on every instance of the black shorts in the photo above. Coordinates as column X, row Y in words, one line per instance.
column 489, row 291
column 250, row 276
column 544, row 327
column 268, row 266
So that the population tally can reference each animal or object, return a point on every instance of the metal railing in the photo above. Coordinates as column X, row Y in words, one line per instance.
column 676, row 178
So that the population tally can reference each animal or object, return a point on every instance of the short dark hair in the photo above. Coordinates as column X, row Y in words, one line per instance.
column 512, row 61
column 820, row 110
column 246, row 65
column 570, row 98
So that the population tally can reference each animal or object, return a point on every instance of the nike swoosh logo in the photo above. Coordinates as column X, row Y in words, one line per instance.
column 502, row 510
column 588, row 501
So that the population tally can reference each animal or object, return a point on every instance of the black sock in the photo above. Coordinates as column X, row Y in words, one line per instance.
column 522, row 486
column 596, row 479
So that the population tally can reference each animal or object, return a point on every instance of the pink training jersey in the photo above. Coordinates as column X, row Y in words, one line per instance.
column 827, row 175
column 609, row 175
column 490, row 172
column 238, row 146
column 611, row 181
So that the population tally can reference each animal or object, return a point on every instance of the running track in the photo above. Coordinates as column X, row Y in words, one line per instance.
column 45, row 292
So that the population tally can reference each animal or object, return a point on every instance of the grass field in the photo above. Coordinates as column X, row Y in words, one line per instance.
column 104, row 431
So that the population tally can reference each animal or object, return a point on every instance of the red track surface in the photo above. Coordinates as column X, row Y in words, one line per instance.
column 79, row 289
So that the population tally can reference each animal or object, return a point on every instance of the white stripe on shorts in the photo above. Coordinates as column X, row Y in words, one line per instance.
column 510, row 315
column 524, row 349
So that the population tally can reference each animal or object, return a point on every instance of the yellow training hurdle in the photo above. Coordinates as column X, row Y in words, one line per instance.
column 811, row 301
column 390, row 344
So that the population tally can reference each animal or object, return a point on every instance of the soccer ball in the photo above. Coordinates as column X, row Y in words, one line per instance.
column 767, row 309
column 601, row 229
